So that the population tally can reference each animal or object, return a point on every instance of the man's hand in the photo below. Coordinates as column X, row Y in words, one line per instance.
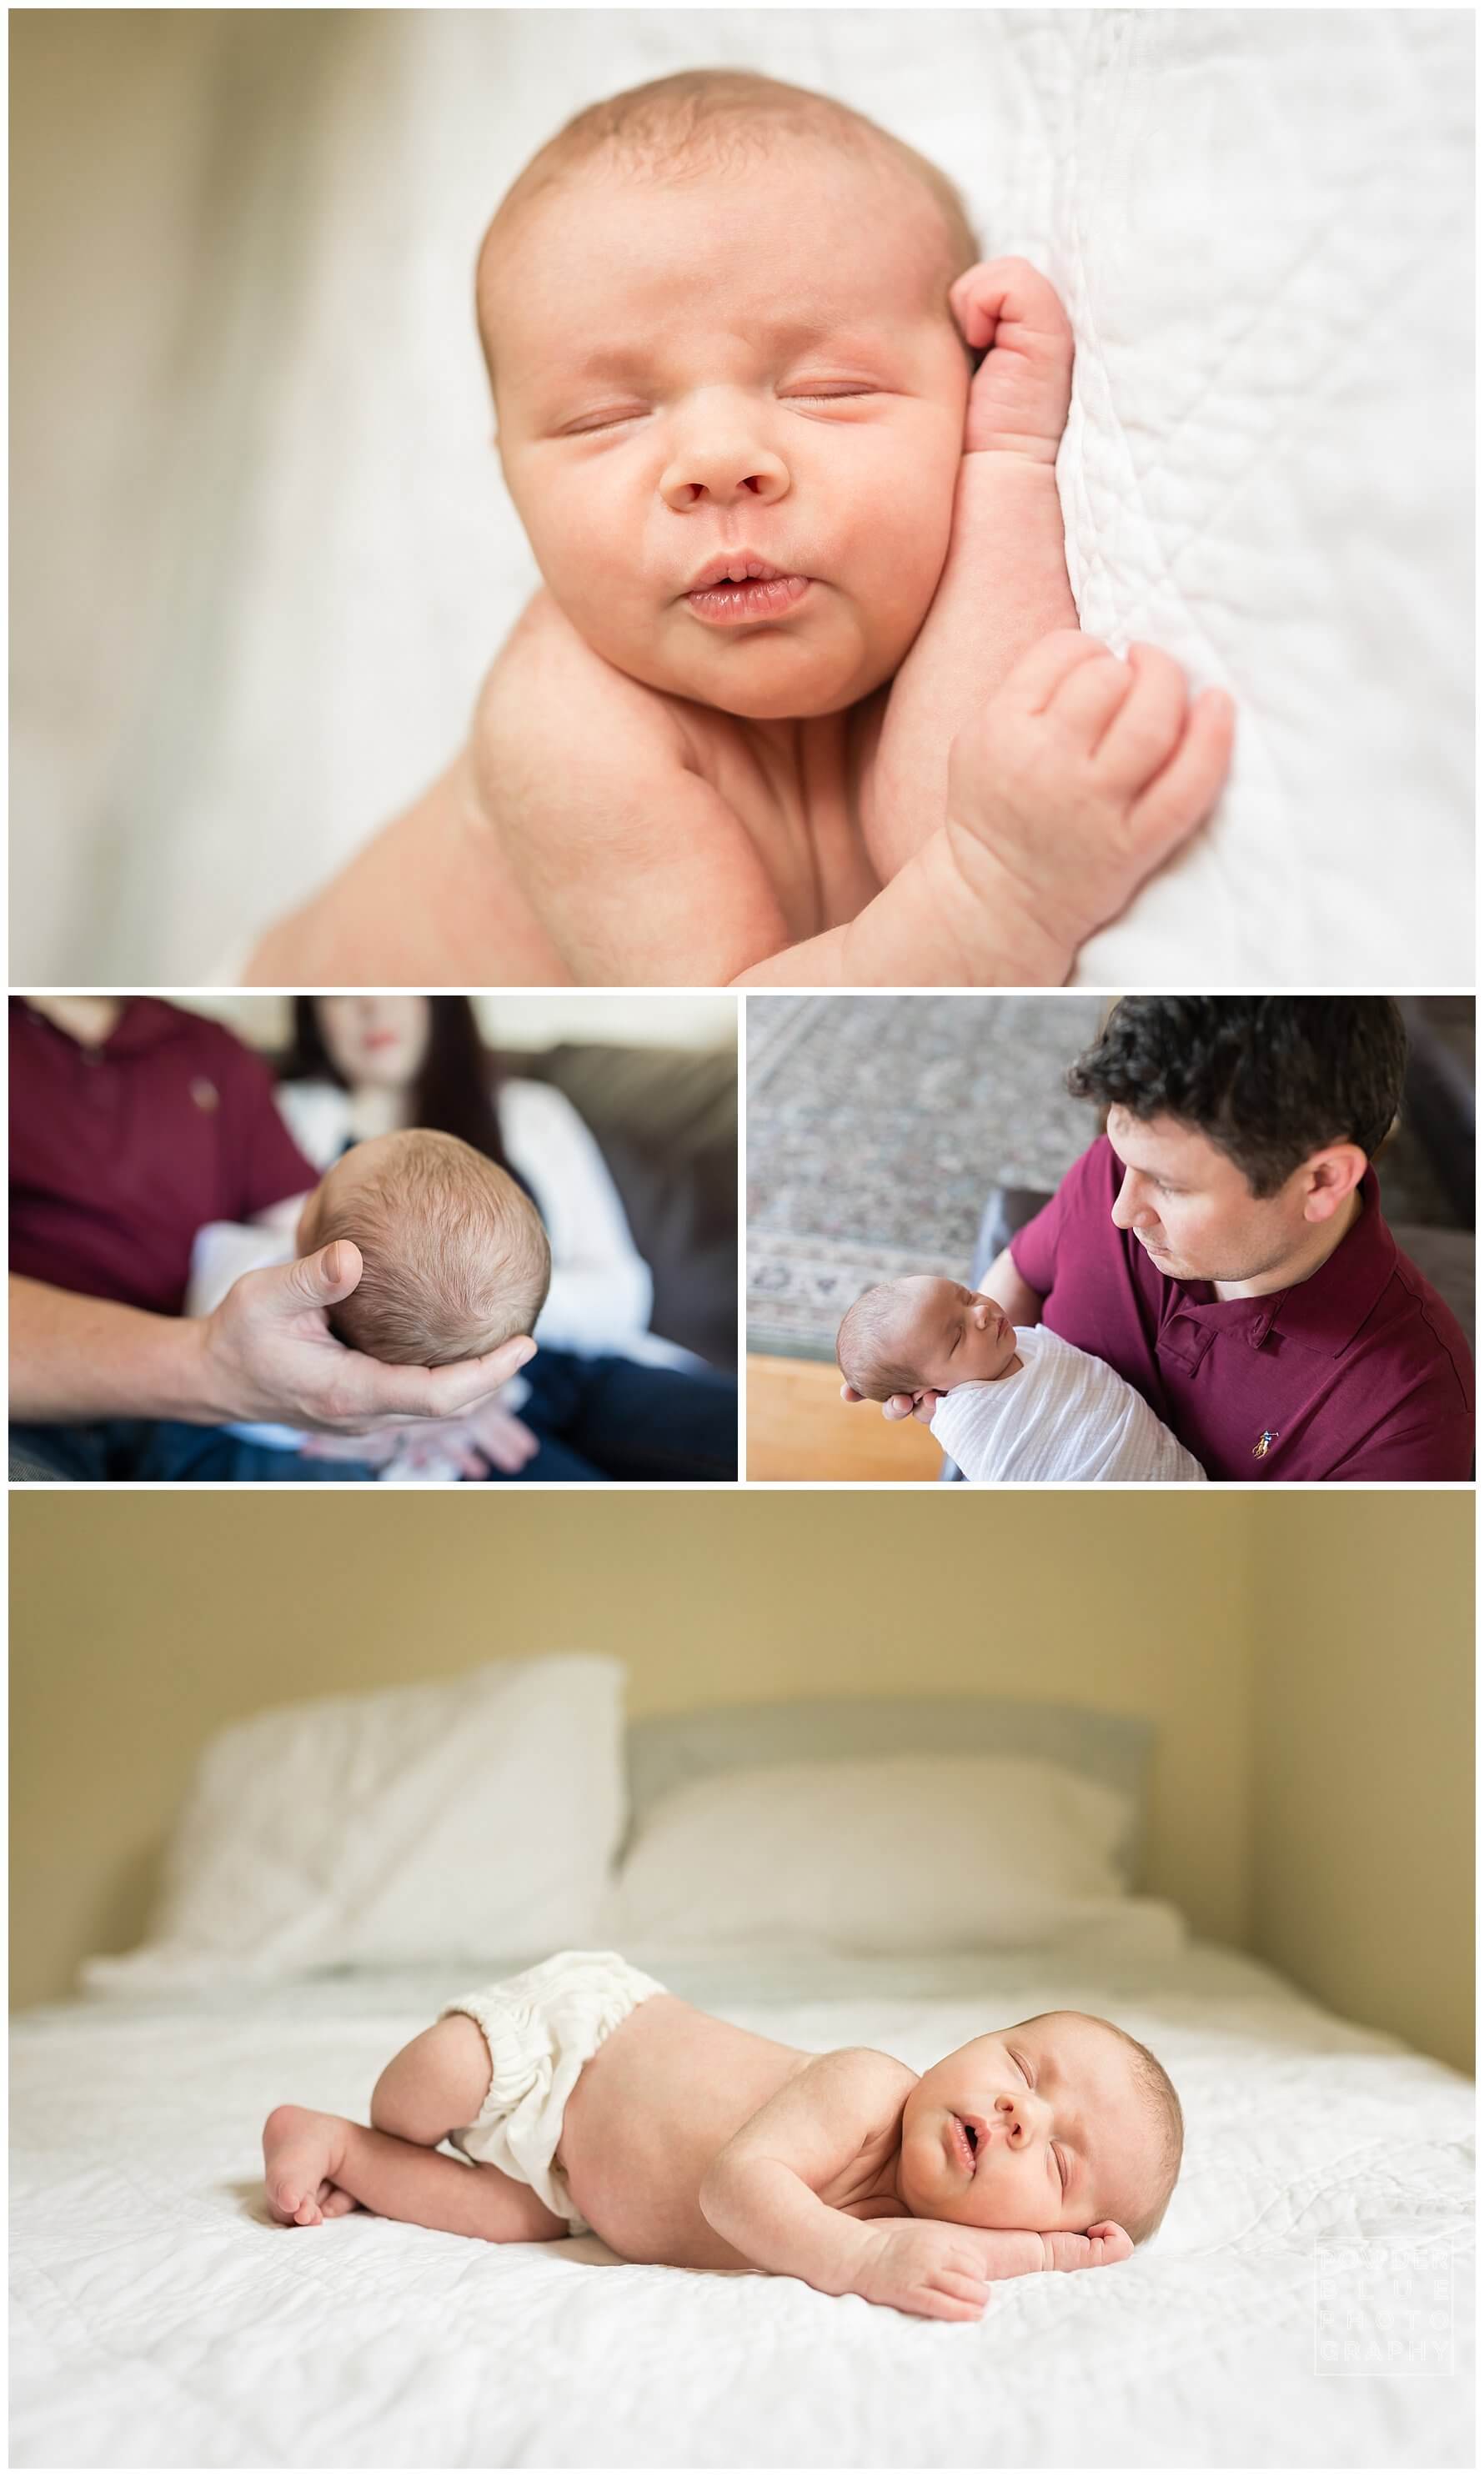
column 934, row 2268
column 1019, row 402
column 491, row 1439
column 901, row 1406
column 267, row 1353
column 1077, row 781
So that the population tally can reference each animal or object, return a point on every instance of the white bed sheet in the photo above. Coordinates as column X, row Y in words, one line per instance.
column 161, row 2321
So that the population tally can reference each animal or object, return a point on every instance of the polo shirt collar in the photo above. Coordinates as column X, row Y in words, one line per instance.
column 1322, row 1313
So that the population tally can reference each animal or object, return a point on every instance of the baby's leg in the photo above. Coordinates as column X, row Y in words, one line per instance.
column 318, row 2167
column 305, row 2153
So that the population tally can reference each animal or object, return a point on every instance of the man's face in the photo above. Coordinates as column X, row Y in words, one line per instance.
column 1190, row 1208
column 1042, row 2126
column 749, row 368
column 952, row 1336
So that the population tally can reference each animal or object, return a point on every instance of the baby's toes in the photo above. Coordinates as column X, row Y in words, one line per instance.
column 334, row 2202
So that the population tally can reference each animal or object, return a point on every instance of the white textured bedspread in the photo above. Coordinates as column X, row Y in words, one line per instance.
column 162, row 2321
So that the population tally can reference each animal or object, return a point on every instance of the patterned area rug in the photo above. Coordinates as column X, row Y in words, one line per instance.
column 876, row 1127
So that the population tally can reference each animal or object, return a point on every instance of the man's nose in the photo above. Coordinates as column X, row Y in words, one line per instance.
column 1129, row 1210
column 719, row 460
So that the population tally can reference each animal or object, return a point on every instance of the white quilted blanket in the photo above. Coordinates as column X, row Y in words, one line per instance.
column 162, row 2322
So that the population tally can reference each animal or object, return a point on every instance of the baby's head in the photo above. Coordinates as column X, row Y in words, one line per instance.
column 715, row 312
column 1061, row 2122
column 923, row 1331
column 455, row 1258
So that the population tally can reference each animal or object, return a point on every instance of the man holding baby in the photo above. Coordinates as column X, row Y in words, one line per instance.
column 1222, row 1244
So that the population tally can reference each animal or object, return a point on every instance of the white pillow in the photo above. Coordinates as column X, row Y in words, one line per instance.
column 472, row 1821
column 895, row 1854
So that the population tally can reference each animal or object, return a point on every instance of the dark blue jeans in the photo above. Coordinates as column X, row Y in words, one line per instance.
column 596, row 1419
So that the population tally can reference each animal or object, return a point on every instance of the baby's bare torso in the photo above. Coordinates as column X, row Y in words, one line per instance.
column 649, row 2114
column 795, row 789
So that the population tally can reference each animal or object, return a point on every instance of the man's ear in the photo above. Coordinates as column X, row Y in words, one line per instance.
column 1329, row 1177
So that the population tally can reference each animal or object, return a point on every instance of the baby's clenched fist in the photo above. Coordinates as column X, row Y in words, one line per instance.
column 1080, row 779
column 1021, row 391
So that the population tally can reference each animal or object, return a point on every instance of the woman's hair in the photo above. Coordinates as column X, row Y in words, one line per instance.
column 455, row 1089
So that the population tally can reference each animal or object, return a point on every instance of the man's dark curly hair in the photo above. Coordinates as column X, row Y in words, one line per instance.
column 1266, row 1080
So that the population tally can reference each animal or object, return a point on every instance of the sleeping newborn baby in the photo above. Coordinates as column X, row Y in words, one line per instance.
column 1017, row 1401
column 454, row 1260
column 801, row 697
column 587, row 2099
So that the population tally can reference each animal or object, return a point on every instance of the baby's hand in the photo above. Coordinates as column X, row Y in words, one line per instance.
column 926, row 2266
column 1021, row 389
column 1079, row 779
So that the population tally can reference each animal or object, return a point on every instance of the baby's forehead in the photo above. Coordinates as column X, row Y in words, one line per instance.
column 548, row 240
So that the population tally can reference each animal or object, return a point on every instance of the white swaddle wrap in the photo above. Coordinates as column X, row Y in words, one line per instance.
column 1062, row 1415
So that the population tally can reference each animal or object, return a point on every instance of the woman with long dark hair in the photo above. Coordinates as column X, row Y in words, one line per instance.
column 604, row 1398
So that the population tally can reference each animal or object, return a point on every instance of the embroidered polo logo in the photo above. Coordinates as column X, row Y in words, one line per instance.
column 203, row 1093
column 1268, row 1437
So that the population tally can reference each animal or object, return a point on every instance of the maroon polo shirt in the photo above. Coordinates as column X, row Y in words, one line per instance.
column 119, row 1153
column 1360, row 1372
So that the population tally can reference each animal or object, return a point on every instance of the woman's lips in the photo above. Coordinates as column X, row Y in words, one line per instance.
column 760, row 598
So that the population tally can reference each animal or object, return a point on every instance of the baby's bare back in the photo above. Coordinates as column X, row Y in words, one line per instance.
column 648, row 2116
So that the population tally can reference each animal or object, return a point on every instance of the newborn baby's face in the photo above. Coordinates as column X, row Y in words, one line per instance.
column 1042, row 2126
column 951, row 1336
column 751, row 372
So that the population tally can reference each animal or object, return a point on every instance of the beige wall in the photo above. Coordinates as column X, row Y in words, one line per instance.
column 1306, row 1660
column 142, row 1623
column 1363, row 1797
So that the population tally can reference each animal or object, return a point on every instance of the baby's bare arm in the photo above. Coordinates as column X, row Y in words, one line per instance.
column 1004, row 583
column 761, row 2191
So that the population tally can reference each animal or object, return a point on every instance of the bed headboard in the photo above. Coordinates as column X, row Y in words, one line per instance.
column 669, row 1748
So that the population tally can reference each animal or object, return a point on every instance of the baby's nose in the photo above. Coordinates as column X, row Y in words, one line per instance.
column 719, row 462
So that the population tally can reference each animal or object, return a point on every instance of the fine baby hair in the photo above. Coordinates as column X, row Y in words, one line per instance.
column 455, row 1258
column 869, row 1347
column 700, row 120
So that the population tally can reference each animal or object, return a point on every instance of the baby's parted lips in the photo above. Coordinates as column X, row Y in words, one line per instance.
column 737, row 567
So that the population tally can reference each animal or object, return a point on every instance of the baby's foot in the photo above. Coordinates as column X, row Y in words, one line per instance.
column 301, row 2152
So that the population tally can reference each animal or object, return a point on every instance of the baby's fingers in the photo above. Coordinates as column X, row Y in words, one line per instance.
column 952, row 2296
column 1008, row 291
column 1090, row 698
column 1040, row 673
column 1185, row 789
column 1141, row 732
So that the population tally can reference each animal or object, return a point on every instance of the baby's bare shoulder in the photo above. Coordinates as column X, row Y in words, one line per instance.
column 548, row 694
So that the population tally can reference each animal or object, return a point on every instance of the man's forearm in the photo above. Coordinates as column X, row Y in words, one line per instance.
column 78, row 1358
column 1003, row 587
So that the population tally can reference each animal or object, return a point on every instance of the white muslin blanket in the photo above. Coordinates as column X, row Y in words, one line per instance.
column 1062, row 1415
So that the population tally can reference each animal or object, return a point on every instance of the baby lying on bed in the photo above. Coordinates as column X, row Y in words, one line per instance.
column 1014, row 1402
column 801, row 698
column 585, row 2097
column 454, row 1258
